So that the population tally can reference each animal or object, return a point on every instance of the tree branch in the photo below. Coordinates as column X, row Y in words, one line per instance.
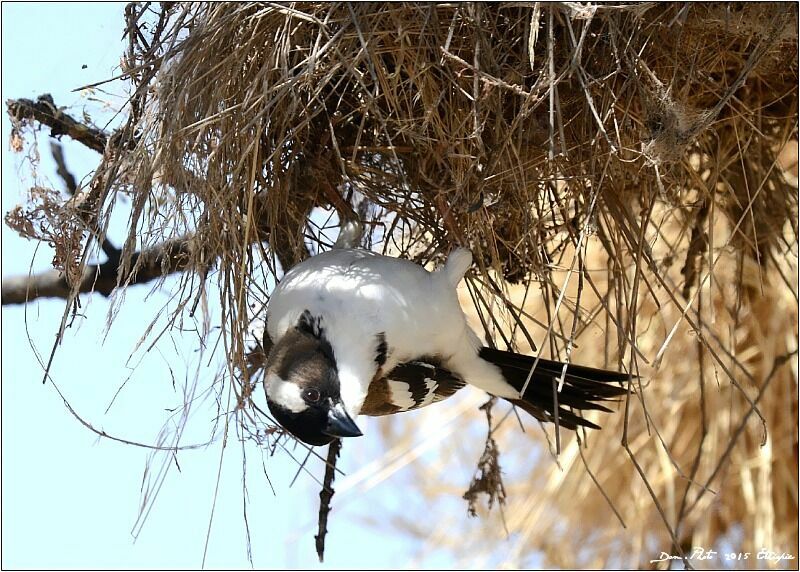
column 172, row 256
column 45, row 112
column 61, row 168
column 325, row 496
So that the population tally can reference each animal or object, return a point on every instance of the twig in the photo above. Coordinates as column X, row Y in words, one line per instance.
column 698, row 245
column 488, row 478
column 102, row 433
column 776, row 365
column 61, row 168
column 325, row 496
column 113, row 253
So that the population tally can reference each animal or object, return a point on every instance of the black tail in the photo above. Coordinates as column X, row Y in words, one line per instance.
column 584, row 387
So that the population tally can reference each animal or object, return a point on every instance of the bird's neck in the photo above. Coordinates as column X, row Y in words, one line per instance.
column 356, row 368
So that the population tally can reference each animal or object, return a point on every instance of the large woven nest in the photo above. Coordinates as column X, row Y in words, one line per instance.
column 614, row 169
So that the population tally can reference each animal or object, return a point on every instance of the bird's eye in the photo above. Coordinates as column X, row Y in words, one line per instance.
column 311, row 395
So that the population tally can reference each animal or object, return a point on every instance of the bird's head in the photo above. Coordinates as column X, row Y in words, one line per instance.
column 302, row 386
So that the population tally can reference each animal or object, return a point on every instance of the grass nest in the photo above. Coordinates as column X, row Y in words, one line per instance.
column 616, row 168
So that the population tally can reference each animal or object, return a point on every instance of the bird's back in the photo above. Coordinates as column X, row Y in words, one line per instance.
column 360, row 294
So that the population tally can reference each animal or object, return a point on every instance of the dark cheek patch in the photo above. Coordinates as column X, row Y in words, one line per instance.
column 312, row 326
column 309, row 324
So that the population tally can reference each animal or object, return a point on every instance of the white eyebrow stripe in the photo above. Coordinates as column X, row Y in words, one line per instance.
column 285, row 394
column 401, row 396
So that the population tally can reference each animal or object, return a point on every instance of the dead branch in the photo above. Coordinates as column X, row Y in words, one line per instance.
column 45, row 111
column 325, row 496
column 172, row 256
column 488, row 478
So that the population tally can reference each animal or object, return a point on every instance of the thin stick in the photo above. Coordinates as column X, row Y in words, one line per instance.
column 325, row 496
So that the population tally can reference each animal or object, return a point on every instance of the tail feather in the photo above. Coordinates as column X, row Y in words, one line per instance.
column 584, row 388
column 457, row 265
column 566, row 418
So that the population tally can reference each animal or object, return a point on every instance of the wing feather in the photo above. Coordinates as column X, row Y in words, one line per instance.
column 409, row 386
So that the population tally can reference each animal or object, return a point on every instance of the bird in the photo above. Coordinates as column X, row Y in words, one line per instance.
column 352, row 332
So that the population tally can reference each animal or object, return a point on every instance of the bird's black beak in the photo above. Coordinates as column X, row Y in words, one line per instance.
column 340, row 424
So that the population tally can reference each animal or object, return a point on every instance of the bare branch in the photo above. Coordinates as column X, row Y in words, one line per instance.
column 61, row 168
column 45, row 112
column 325, row 496
column 151, row 264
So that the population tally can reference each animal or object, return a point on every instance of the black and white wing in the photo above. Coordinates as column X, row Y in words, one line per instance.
column 409, row 386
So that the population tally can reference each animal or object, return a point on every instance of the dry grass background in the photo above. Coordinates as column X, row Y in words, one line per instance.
column 615, row 170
